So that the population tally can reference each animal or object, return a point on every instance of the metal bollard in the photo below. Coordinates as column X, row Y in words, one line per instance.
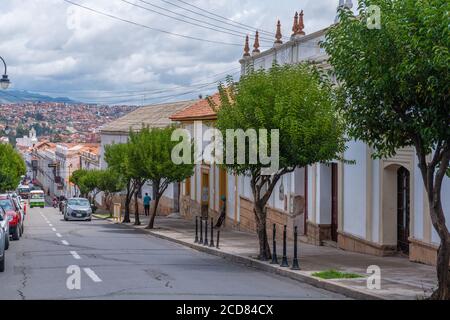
column 218, row 239
column 295, row 265
column 196, row 229
column 201, row 231
column 274, row 251
column 205, row 243
column 284, row 262
column 211, row 243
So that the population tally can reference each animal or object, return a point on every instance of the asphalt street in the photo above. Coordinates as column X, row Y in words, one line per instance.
column 117, row 262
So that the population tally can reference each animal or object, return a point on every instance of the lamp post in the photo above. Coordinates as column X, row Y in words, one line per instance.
column 4, row 81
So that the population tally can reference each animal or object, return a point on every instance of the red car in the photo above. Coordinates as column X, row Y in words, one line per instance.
column 14, row 216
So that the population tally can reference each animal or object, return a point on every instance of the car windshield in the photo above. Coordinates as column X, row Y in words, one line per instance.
column 78, row 202
column 6, row 204
column 37, row 196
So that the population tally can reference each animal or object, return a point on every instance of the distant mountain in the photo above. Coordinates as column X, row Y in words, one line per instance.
column 15, row 96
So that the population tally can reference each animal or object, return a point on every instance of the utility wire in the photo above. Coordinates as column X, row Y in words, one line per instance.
column 148, row 27
column 140, row 91
column 222, row 17
column 242, row 26
column 228, row 31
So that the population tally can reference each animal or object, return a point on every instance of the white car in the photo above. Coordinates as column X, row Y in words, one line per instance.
column 78, row 209
column 4, row 237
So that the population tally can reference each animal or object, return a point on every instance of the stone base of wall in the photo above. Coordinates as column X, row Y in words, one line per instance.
column 317, row 233
column 189, row 209
column 274, row 216
column 422, row 252
column 351, row 243
column 165, row 208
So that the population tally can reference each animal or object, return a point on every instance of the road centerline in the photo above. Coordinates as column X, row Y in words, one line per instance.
column 92, row 275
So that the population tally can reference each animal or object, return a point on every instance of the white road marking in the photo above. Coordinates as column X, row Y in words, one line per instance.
column 50, row 225
column 53, row 229
column 59, row 235
column 75, row 255
column 64, row 242
column 92, row 275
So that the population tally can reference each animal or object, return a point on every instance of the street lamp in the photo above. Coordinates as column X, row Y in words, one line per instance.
column 4, row 81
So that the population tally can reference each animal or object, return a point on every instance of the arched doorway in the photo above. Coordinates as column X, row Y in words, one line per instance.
column 403, row 210
column 396, row 219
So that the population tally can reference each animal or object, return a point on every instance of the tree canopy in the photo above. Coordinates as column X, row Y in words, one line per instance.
column 394, row 92
column 12, row 167
column 294, row 99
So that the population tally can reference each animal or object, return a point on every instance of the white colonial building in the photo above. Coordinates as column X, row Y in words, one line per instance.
column 376, row 207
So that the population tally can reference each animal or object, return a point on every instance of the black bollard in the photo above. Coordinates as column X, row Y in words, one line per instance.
column 196, row 229
column 274, row 251
column 205, row 243
column 295, row 265
column 218, row 239
column 211, row 243
column 284, row 262
column 201, row 231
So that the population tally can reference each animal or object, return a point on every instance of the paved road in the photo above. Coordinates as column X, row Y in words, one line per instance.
column 116, row 262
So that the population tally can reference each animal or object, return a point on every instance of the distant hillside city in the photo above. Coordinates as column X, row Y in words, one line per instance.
column 57, row 122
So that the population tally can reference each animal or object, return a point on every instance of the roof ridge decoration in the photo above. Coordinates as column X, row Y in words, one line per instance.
column 247, row 47
column 278, row 35
column 256, row 44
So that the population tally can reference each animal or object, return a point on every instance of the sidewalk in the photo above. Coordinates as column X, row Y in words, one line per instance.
column 400, row 279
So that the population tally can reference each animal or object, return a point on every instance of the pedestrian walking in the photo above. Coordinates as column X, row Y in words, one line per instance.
column 147, row 200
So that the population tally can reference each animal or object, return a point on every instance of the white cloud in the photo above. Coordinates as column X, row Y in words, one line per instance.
column 53, row 46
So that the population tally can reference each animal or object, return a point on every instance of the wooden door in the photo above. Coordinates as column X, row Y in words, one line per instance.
column 205, row 194
column 334, row 202
column 403, row 207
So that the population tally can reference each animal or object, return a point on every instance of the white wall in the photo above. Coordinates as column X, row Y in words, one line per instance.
column 354, row 202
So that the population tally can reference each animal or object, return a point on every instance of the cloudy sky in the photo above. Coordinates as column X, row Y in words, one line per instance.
column 56, row 48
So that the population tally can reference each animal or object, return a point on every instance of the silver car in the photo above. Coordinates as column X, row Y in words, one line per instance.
column 77, row 209
column 4, row 237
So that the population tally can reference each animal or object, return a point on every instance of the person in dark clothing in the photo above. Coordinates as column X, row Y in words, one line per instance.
column 147, row 200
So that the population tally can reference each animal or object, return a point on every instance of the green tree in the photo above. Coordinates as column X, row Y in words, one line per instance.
column 111, row 183
column 298, row 102
column 118, row 158
column 76, row 179
column 12, row 167
column 153, row 154
column 394, row 92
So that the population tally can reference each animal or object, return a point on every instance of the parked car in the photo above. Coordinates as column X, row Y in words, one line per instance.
column 77, row 209
column 14, row 216
column 5, row 226
column 20, row 207
column 4, row 237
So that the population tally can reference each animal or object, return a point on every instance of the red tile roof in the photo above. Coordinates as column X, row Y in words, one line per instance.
column 201, row 110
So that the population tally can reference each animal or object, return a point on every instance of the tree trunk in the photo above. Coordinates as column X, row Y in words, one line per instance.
column 137, row 221
column 154, row 210
column 126, row 218
column 261, row 218
column 433, row 185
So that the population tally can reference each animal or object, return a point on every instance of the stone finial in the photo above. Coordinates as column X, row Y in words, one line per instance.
column 256, row 45
column 278, row 35
column 295, row 26
column 247, row 47
column 343, row 4
column 301, row 25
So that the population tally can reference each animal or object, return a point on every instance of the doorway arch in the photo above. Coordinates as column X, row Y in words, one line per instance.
column 396, row 207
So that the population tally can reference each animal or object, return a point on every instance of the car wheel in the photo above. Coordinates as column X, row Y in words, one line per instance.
column 66, row 219
column 2, row 263
column 7, row 242
column 16, row 234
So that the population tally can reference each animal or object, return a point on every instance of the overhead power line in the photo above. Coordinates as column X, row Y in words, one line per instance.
column 148, row 27
column 222, row 17
column 213, row 27
column 223, row 20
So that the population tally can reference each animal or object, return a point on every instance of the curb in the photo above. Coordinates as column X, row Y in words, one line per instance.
column 285, row 272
